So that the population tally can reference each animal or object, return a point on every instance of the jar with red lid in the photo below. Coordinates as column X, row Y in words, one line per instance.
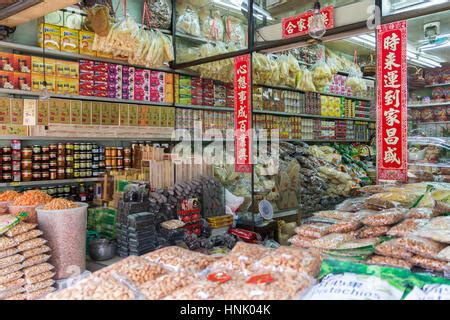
column 16, row 165
column 45, row 157
column 45, row 175
column 16, row 155
column 6, row 166
column 6, row 158
column 45, row 166
column 37, row 175
column 16, row 144
column 27, row 175
column 7, row 176
column 27, row 153
column 6, row 150
column 26, row 164
column 37, row 157
column 36, row 166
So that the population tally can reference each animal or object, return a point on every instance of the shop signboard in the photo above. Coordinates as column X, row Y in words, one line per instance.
column 299, row 25
column 392, row 102
column 242, row 114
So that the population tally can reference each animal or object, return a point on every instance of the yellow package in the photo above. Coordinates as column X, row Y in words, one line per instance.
column 104, row 55
column 74, row 70
column 37, row 81
column 50, row 66
column 49, row 36
column 62, row 68
column 86, row 40
column 69, row 40
column 37, row 64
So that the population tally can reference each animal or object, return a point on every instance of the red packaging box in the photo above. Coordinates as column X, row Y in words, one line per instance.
column 102, row 94
column 100, row 77
column 86, row 85
column 100, row 86
column 86, row 75
column 100, row 66
column 6, row 61
column 22, row 63
column 22, row 81
column 86, row 92
column 86, row 65
column 6, row 80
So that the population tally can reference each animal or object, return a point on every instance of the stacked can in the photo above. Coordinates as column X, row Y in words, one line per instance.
column 98, row 160
column 61, row 161
column 53, row 161
column 6, row 164
column 83, row 160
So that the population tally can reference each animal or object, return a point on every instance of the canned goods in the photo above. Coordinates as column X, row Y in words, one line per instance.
column 53, row 147
column 16, row 176
column 76, row 165
column 76, row 156
column 7, row 166
column 88, row 156
column 66, row 188
column 119, row 151
column 82, row 147
column 45, row 157
column 127, row 152
column 61, row 173
column 6, row 150
column 16, row 155
column 82, row 173
column 89, row 147
column 45, row 166
column 53, row 163
column 61, row 148
column 60, row 189
column 36, row 166
column 88, row 173
column 51, row 191
column 94, row 165
column 6, row 158
column 37, row 175
column 37, row 157
column 7, row 176
column 45, row 175
column 76, row 174
column 108, row 162
column 127, row 162
column 16, row 165
column 95, row 157
column 53, row 155
column 45, row 149
column 53, row 174
column 113, row 152
column 119, row 162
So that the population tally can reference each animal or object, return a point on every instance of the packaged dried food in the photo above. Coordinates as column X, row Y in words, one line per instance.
column 300, row 241
column 313, row 230
column 5, row 295
column 430, row 292
column 371, row 232
column 392, row 249
column 444, row 254
column 350, row 286
column 11, row 260
column 334, row 214
column 36, row 251
column 16, row 297
column 172, row 224
column 162, row 12
column 437, row 229
column 386, row 217
column 389, row 261
column 39, row 294
column 333, row 240
column 8, row 252
column 60, row 204
column 321, row 75
column 344, row 227
column 358, row 244
column 304, row 80
column 28, row 236
column 7, row 222
column 421, row 246
column 405, row 227
column 39, row 285
column 352, row 205
column 10, row 269
column 188, row 22
column 32, row 198
column 268, row 286
column 291, row 259
column 31, row 244
column 166, row 284
column 38, row 259
column 201, row 290
column 419, row 213
column 137, row 270
column 20, row 228
column 96, row 288
column 10, row 277
column 8, row 195
column 12, row 285
column 40, row 277
column 429, row 264
column 37, row 269
column 372, row 189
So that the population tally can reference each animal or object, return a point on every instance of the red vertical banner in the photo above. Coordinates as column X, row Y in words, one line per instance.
column 392, row 157
column 242, row 115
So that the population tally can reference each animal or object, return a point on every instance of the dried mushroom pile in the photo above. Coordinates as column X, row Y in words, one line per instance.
column 248, row 272
column 25, row 273
column 400, row 226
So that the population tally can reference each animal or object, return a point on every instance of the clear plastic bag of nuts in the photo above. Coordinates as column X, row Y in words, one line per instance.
column 371, row 232
column 344, row 227
column 166, row 284
column 135, row 269
column 430, row 264
column 392, row 249
column 8, row 261
column 406, row 226
column 421, row 246
column 38, row 259
column 313, row 230
column 385, row 217
column 29, row 235
column 10, row 277
column 20, row 228
column 389, row 261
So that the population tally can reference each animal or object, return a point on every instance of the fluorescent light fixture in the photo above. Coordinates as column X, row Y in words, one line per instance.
column 429, row 47
column 258, row 12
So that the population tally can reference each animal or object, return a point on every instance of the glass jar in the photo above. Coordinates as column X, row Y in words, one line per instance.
column 53, row 174
column 16, row 144
column 53, row 147
column 16, row 165
column 6, row 158
column 61, row 161
column 45, row 157
column 16, row 176
column 61, row 173
column 45, row 149
column 69, row 148
column 61, row 148
column 37, row 149
column 45, row 175
column 36, row 166
column 6, row 166
column 26, row 164
column 27, row 153
column 127, row 152
column 82, row 146
column 37, row 157
column 53, row 163
column 69, row 173
column 60, row 189
column 119, row 152
column 45, row 166
column 53, row 155
column 76, row 173
column 26, row 175
column 7, row 176
column 6, row 150
column 16, row 155
column 37, row 175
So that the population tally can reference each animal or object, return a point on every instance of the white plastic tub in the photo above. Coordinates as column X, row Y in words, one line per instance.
column 65, row 231
column 32, row 217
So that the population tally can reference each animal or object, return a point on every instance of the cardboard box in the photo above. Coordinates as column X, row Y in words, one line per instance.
column 42, row 112
column 5, row 110
column 106, row 114
column 49, row 36
column 37, row 64
column 86, row 40
column 22, row 81
column 144, row 115
column 133, row 115
column 6, row 61
column 86, row 112
column 37, row 82
column 69, row 40
column 13, row 130
column 75, row 112
column 66, row 86
column 17, row 111
column 124, row 114
column 6, row 80
column 155, row 116
column 22, row 63
column 115, row 114
column 50, row 67
column 96, row 113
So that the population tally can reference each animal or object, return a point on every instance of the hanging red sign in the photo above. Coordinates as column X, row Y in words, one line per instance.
column 392, row 159
column 242, row 114
column 299, row 25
